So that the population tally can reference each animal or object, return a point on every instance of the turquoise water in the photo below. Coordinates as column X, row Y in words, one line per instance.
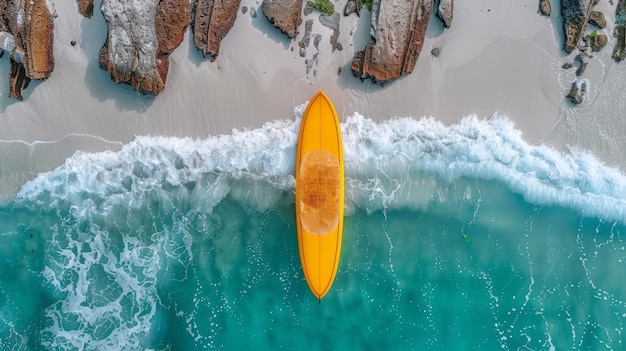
column 457, row 238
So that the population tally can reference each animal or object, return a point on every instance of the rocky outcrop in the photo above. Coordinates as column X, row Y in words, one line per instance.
column 285, row 15
column 171, row 22
column 352, row 6
column 212, row 20
column 85, row 7
column 545, row 8
column 398, row 28
column 578, row 91
column 597, row 19
column 135, row 51
column 596, row 41
column 619, row 52
column 26, row 35
column 576, row 14
column 444, row 12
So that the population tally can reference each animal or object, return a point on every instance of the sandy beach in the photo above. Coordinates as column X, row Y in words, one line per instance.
column 498, row 58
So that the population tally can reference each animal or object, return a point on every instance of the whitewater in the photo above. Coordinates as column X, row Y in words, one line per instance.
column 456, row 237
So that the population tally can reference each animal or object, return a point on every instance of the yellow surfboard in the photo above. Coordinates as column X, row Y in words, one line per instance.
column 319, row 194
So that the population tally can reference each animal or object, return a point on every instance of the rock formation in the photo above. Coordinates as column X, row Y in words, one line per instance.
column 444, row 12
column 576, row 14
column 352, row 6
column 578, row 91
column 619, row 52
column 26, row 35
column 135, row 51
column 212, row 20
column 545, row 8
column 85, row 7
column 398, row 28
column 597, row 19
column 596, row 41
column 171, row 22
column 285, row 15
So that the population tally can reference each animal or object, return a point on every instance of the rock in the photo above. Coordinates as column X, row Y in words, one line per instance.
column 445, row 12
column 26, row 35
column 578, row 91
column 171, row 22
column 135, row 51
column 576, row 14
column 619, row 52
column 212, row 20
column 545, row 8
column 244, row 9
column 398, row 28
column 567, row 65
column 597, row 19
column 285, row 15
column 581, row 69
column 596, row 41
column 352, row 6
column 85, row 7
column 435, row 52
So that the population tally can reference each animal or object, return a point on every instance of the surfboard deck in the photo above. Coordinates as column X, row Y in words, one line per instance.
column 319, row 194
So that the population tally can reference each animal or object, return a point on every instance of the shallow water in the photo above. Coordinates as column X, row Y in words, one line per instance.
column 460, row 237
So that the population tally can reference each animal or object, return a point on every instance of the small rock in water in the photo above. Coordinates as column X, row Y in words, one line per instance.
column 352, row 6
column 597, row 19
column 252, row 12
column 581, row 69
column 577, row 92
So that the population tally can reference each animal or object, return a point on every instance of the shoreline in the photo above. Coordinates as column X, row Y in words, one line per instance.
column 496, row 58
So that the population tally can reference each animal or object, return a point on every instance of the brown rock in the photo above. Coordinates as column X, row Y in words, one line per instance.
column 597, row 19
column 285, row 15
column 212, row 20
column 577, row 92
column 399, row 27
column 28, row 38
column 172, row 19
column 140, row 38
column 445, row 12
column 85, row 7
column 545, row 8
column 576, row 14
column 352, row 6
column 619, row 52
column 597, row 41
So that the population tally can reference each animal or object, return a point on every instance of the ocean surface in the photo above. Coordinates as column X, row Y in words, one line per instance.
column 459, row 237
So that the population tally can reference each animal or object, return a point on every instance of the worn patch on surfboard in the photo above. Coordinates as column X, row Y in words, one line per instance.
column 320, row 178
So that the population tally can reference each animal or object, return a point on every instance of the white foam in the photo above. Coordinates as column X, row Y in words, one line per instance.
column 385, row 164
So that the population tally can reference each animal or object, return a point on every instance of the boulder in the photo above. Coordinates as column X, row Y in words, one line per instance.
column 596, row 41
column 398, row 28
column 445, row 12
column 85, row 7
column 578, row 91
column 26, row 33
column 285, row 15
column 597, row 19
column 139, row 40
column 212, row 20
column 545, row 8
column 619, row 52
column 576, row 14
